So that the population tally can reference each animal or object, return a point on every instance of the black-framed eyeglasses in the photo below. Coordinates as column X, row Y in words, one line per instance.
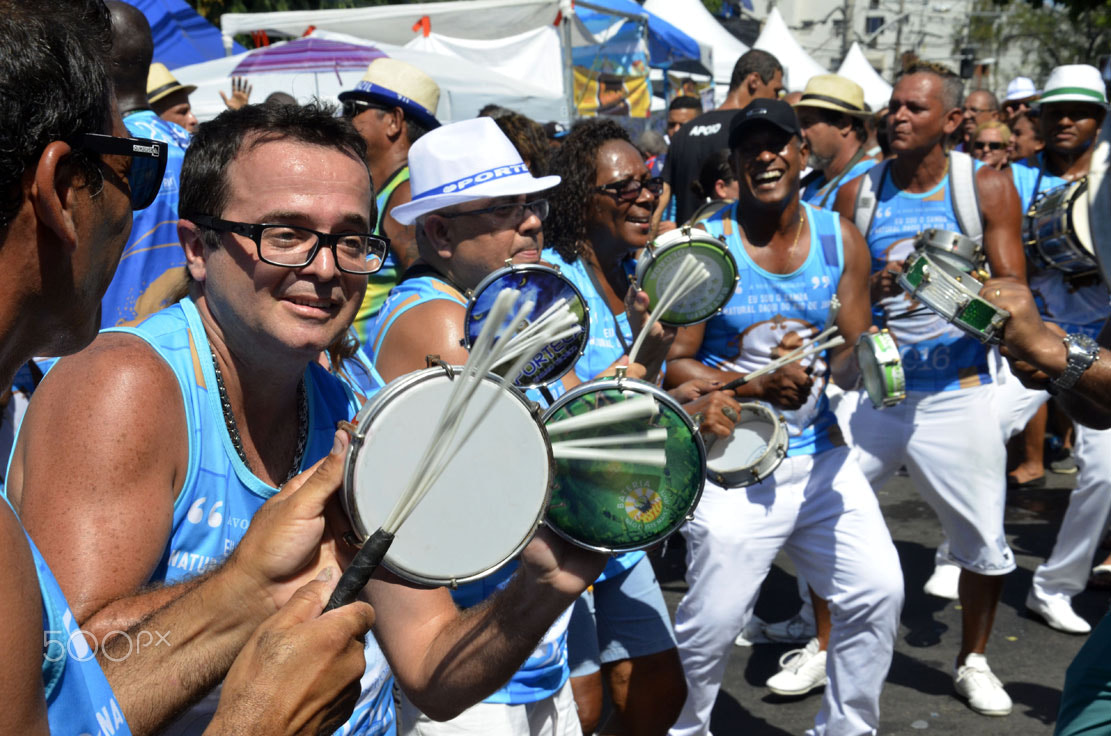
column 629, row 189
column 351, row 108
column 148, row 162
column 507, row 214
column 993, row 145
column 295, row 247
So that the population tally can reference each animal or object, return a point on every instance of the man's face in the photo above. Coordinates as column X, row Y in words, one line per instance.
column 916, row 117
column 1070, row 127
column 768, row 161
column 175, row 108
column 480, row 243
column 373, row 124
column 977, row 111
column 620, row 217
column 823, row 137
column 679, row 117
column 273, row 309
column 770, row 89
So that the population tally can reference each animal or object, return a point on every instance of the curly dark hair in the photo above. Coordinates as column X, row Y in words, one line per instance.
column 576, row 163
column 528, row 137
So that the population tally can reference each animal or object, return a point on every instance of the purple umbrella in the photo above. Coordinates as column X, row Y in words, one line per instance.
column 308, row 55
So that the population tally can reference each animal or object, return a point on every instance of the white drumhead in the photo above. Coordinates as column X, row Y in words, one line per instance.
column 483, row 508
column 870, row 372
column 1079, row 215
column 749, row 442
column 1099, row 199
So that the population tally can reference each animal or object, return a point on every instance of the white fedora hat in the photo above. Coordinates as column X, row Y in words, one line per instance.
column 1020, row 88
column 1074, row 83
column 462, row 162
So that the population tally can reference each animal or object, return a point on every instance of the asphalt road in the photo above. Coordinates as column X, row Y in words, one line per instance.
column 1028, row 656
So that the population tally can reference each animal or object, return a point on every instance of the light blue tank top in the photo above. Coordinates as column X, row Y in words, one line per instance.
column 1076, row 309
column 546, row 669
column 220, row 494
column 153, row 260
column 820, row 189
column 937, row 356
column 766, row 307
column 79, row 699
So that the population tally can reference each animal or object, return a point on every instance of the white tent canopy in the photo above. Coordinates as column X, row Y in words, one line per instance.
column 464, row 85
column 877, row 92
column 692, row 18
column 798, row 66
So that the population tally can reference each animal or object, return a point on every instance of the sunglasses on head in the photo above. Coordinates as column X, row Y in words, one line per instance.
column 148, row 162
column 993, row 145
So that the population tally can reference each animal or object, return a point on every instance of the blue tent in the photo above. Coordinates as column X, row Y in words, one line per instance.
column 181, row 36
column 666, row 43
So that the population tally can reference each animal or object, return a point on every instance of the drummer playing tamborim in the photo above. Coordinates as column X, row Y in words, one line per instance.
column 817, row 506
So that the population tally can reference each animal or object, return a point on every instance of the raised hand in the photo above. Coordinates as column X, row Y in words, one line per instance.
column 240, row 93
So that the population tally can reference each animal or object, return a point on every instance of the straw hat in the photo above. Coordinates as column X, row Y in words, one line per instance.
column 462, row 162
column 834, row 92
column 1074, row 83
column 396, row 83
column 160, row 83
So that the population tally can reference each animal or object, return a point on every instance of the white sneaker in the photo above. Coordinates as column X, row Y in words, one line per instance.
column 752, row 633
column 984, row 692
column 944, row 582
column 795, row 630
column 1058, row 613
column 801, row 670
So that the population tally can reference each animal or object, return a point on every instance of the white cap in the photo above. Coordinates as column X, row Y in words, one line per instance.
column 1020, row 88
column 462, row 162
column 1074, row 83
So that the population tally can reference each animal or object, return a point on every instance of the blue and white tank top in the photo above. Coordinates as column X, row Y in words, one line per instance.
column 1076, row 308
column 768, row 307
column 937, row 356
column 546, row 669
column 220, row 494
column 79, row 699
column 819, row 189
column 152, row 264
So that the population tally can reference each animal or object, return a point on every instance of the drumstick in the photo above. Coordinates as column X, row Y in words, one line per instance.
column 688, row 276
column 641, row 407
column 652, row 458
column 648, row 436
column 780, row 362
column 834, row 310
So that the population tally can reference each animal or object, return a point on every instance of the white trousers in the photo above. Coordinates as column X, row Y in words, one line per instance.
column 552, row 716
column 821, row 511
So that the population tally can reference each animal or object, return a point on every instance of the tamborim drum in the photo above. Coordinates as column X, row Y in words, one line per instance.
column 752, row 453
column 487, row 503
column 1056, row 230
column 954, row 295
column 881, row 368
column 545, row 285
column 956, row 249
column 620, row 506
column 660, row 263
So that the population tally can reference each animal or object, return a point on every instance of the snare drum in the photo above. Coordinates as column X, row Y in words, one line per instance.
column 752, row 453
column 1056, row 230
column 485, row 506
column 544, row 285
column 881, row 369
column 612, row 506
column 954, row 295
column 956, row 249
column 660, row 262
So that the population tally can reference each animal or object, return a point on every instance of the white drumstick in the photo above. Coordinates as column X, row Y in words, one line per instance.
column 647, row 437
column 640, row 407
column 795, row 356
column 688, row 276
column 653, row 458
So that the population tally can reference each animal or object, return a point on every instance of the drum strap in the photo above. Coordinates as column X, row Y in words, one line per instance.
column 832, row 186
column 867, row 196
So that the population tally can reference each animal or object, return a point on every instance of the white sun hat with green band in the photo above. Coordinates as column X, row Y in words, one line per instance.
column 1074, row 83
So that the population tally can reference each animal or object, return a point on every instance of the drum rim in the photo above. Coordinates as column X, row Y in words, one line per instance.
column 472, row 299
column 892, row 394
column 663, row 397
column 725, row 478
column 688, row 237
column 385, row 395
column 1029, row 230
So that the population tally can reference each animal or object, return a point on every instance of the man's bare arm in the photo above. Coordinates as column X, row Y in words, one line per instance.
column 855, row 316
column 1002, row 212
column 432, row 328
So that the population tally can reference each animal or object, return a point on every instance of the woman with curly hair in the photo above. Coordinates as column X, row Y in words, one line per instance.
column 621, row 633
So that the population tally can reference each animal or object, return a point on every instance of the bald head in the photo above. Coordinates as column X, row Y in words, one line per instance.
column 132, row 50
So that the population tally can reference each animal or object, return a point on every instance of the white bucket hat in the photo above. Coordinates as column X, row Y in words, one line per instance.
column 1020, row 88
column 1074, row 83
column 462, row 162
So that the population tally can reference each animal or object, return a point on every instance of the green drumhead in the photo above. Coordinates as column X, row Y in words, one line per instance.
column 914, row 268
column 978, row 315
column 616, row 506
column 705, row 300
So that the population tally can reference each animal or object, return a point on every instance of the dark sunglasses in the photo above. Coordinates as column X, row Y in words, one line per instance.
column 353, row 108
column 629, row 189
column 993, row 145
column 148, row 162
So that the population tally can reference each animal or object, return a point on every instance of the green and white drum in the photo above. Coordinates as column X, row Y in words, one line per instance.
column 954, row 295
column 881, row 368
column 660, row 262
column 620, row 504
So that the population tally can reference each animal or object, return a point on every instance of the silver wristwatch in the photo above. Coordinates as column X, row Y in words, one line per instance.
column 1081, row 352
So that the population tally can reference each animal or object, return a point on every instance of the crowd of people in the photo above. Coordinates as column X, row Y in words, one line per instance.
column 260, row 276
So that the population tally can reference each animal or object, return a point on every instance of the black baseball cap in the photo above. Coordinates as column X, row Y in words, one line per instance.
column 767, row 111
